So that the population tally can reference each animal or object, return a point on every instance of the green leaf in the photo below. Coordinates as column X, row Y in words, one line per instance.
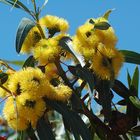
column 52, row 32
column 135, row 101
column 72, row 119
column 91, row 21
column 30, row 62
column 104, row 95
column 102, row 25
column 15, row 62
column 121, row 89
column 135, row 131
column 3, row 78
column 24, row 27
column 8, row 2
column 128, row 79
column 135, row 79
column 83, row 73
column 122, row 102
column 31, row 133
column 107, row 13
column 66, row 44
column 131, row 57
column 16, row 4
column 44, row 130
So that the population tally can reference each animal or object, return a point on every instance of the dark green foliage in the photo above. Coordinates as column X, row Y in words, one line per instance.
column 83, row 73
column 131, row 57
column 73, row 121
column 102, row 26
column 24, row 27
column 44, row 130
column 3, row 78
column 66, row 44
column 30, row 62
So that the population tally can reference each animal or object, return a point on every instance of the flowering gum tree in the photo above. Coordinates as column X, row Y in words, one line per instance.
column 62, row 76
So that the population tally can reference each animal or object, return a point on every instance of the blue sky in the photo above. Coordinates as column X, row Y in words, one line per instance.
column 125, row 19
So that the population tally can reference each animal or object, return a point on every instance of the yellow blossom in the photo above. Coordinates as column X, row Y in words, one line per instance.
column 107, row 37
column 31, row 80
column 62, row 93
column 107, row 62
column 86, row 36
column 46, row 51
column 51, row 71
column 84, row 49
column 34, row 108
column 54, row 22
column 13, row 114
column 31, row 39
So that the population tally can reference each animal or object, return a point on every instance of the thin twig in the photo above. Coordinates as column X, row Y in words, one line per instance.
column 7, row 90
column 4, row 99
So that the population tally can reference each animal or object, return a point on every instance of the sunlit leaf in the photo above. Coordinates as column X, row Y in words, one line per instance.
column 15, row 62
column 66, row 43
column 24, row 27
column 131, row 57
column 107, row 13
column 44, row 4
column 135, row 101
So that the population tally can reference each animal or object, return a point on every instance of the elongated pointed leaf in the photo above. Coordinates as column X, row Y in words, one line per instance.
column 16, row 4
column 128, row 79
column 24, row 27
column 30, row 62
column 104, row 94
column 135, row 101
column 107, row 13
column 15, row 62
column 122, row 102
column 66, row 43
column 121, row 89
column 73, row 120
column 102, row 25
column 31, row 133
column 3, row 78
column 136, row 131
column 8, row 2
column 131, row 57
column 44, row 130
column 135, row 79
column 83, row 73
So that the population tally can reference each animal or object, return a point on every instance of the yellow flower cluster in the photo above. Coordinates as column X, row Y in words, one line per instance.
column 98, row 47
column 32, row 38
column 28, row 87
column 46, row 49
column 54, row 22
